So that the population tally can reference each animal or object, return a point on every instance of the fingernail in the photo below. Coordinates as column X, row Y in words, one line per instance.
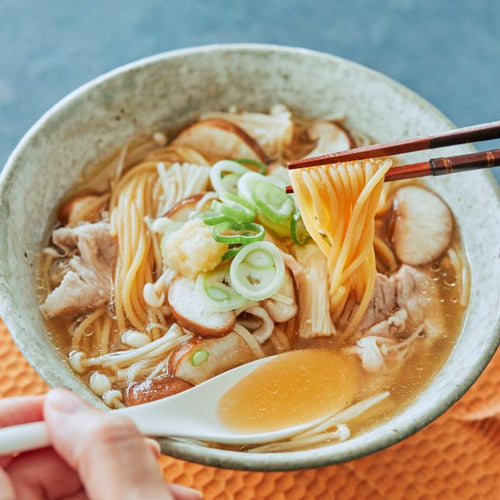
column 192, row 491
column 65, row 401
column 155, row 447
column 184, row 492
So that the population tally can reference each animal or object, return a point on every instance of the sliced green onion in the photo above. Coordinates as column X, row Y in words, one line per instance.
column 233, row 198
column 281, row 229
column 255, row 163
column 236, row 208
column 269, row 196
column 259, row 259
column 257, row 283
column 298, row 230
column 199, row 357
column 247, row 182
column 255, row 275
column 234, row 233
column 210, row 217
column 231, row 253
column 272, row 201
column 230, row 183
column 216, row 293
column 233, row 213
column 224, row 183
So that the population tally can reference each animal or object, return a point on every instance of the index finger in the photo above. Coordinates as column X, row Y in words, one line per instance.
column 21, row 410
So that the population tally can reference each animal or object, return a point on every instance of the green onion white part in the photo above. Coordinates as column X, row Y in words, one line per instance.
column 226, row 183
column 255, row 283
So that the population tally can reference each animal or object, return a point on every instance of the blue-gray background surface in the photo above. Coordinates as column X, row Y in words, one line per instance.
column 446, row 50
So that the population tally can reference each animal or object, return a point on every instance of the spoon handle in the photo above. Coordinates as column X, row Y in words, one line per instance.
column 26, row 437
column 23, row 438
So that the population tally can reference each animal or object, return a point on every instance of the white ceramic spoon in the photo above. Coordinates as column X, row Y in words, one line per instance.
column 190, row 414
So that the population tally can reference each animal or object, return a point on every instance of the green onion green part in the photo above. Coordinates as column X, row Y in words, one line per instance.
column 211, row 217
column 272, row 201
column 199, row 357
column 216, row 292
column 231, row 253
column 236, row 208
column 298, row 230
column 234, row 233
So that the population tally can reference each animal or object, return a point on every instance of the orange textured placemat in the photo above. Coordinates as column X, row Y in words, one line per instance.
column 456, row 457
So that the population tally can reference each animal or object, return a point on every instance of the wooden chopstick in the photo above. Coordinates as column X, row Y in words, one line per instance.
column 477, row 133
column 446, row 165
column 441, row 166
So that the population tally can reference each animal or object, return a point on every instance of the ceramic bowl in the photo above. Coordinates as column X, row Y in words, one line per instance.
column 170, row 89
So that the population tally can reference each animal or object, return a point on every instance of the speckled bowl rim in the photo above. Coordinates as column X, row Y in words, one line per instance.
column 242, row 460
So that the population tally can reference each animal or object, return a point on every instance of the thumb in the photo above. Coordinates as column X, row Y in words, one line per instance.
column 110, row 454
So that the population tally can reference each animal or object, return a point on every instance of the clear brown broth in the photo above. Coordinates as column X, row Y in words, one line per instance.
column 296, row 387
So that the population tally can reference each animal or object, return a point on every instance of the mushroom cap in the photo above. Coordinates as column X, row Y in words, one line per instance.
column 190, row 313
column 219, row 139
column 181, row 211
column 223, row 354
column 157, row 388
column 330, row 137
column 423, row 226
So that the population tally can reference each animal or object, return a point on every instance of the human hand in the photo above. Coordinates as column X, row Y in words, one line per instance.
column 94, row 455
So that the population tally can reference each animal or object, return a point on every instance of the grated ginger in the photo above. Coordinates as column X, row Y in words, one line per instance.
column 191, row 250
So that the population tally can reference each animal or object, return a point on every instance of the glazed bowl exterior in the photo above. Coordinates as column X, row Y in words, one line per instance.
column 171, row 89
